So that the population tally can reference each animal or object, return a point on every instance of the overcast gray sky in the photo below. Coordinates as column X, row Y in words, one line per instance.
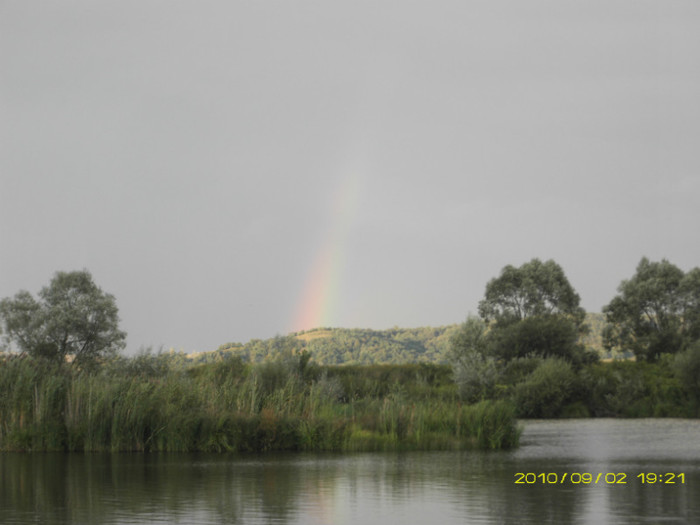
column 232, row 170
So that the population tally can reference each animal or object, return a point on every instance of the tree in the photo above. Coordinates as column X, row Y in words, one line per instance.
column 535, row 289
column 551, row 335
column 72, row 318
column 690, row 299
column 686, row 367
column 533, row 311
column 475, row 371
column 656, row 311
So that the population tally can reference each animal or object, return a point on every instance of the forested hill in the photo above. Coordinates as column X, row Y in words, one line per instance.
column 331, row 346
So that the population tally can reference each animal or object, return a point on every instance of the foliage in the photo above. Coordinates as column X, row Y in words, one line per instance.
column 656, row 311
column 592, row 336
column 336, row 346
column 634, row 389
column 491, row 420
column 690, row 294
column 544, row 335
column 417, row 381
column 533, row 289
column 547, row 390
column 475, row 370
column 330, row 346
column 533, row 311
column 149, row 404
column 686, row 367
column 73, row 318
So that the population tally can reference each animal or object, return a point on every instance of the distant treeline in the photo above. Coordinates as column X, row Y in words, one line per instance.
column 335, row 346
column 331, row 346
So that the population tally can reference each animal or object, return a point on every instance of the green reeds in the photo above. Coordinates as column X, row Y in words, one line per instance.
column 145, row 405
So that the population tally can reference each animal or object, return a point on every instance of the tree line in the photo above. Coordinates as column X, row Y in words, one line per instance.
column 534, row 310
column 525, row 344
column 528, row 347
column 528, row 310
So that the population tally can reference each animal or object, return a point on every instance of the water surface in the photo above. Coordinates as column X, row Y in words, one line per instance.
column 378, row 488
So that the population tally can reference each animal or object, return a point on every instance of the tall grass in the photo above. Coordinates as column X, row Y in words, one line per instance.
column 144, row 404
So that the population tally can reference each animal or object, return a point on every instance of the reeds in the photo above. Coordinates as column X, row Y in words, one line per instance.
column 144, row 404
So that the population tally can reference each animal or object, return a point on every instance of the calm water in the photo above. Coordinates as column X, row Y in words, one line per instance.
column 412, row 488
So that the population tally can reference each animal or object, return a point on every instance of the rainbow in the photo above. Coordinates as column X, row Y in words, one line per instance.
column 317, row 306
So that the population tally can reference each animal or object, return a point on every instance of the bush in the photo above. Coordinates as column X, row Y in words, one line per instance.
column 542, row 336
column 547, row 390
column 634, row 389
column 686, row 367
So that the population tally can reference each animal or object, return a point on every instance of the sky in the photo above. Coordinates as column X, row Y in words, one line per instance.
column 234, row 170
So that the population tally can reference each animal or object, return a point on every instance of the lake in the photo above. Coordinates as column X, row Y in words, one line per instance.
column 570, row 471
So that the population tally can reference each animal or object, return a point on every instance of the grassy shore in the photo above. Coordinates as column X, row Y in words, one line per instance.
column 146, row 404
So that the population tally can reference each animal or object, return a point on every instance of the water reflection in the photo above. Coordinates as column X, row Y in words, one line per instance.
column 469, row 487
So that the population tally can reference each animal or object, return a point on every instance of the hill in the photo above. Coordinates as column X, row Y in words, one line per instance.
column 333, row 346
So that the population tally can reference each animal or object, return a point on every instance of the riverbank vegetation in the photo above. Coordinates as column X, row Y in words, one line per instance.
column 152, row 402
column 533, row 352
column 528, row 345
column 551, row 387
column 147, row 403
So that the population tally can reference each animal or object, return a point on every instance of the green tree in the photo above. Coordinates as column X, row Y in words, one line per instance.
column 72, row 318
column 656, row 311
column 690, row 299
column 547, row 390
column 552, row 335
column 535, row 289
column 533, row 310
column 686, row 367
column 475, row 371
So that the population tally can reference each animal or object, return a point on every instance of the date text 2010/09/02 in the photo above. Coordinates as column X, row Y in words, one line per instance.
column 586, row 478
